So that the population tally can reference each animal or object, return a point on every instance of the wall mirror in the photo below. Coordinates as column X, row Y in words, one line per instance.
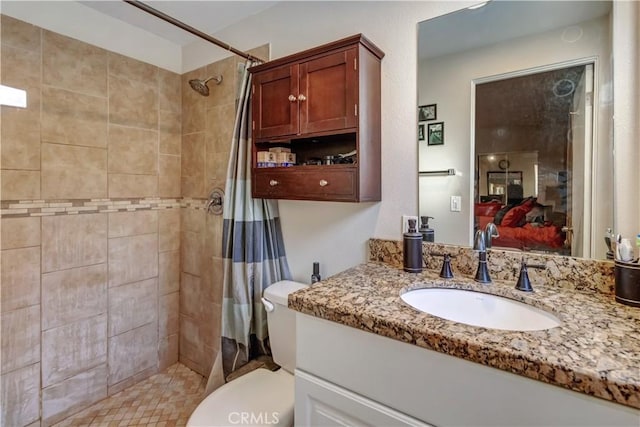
column 524, row 89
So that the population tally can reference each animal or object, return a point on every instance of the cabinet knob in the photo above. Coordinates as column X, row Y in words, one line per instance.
column 292, row 98
column 301, row 97
column 323, row 183
column 273, row 183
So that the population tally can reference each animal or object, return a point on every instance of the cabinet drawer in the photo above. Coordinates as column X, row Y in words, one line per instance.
column 336, row 183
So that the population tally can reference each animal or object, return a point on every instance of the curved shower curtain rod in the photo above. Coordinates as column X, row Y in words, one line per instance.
column 171, row 20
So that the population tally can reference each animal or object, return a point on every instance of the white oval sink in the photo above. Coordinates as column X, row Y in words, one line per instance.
column 479, row 309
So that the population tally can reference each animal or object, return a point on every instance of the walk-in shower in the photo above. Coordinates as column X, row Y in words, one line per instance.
column 201, row 87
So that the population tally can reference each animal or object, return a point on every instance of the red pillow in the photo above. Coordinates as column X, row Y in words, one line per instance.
column 487, row 209
column 483, row 221
column 516, row 216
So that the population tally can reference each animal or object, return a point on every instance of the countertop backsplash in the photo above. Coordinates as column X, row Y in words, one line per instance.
column 562, row 271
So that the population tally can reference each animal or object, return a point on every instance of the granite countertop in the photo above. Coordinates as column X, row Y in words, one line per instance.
column 595, row 351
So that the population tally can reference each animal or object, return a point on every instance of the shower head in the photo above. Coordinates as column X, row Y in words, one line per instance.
column 201, row 87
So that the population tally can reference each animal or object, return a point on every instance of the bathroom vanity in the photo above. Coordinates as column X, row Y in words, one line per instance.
column 366, row 357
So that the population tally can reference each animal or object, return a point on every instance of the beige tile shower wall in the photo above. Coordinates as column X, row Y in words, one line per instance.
column 207, row 126
column 20, row 387
column 200, row 288
column 196, row 313
column 21, row 67
column 168, row 286
column 89, row 302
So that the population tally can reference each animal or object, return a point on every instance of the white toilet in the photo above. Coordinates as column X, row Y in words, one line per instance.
column 261, row 397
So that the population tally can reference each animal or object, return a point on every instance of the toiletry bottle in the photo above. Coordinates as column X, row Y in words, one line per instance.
column 412, row 249
column 428, row 234
column 315, row 276
column 625, row 250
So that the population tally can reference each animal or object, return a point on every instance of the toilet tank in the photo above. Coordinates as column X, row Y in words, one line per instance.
column 282, row 322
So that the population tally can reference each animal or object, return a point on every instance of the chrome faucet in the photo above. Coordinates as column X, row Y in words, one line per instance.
column 490, row 231
column 482, row 242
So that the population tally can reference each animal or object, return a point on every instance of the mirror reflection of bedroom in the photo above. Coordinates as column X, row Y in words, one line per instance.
column 532, row 134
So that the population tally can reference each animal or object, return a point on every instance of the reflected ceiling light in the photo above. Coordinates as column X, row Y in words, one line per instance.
column 478, row 6
column 572, row 34
column 563, row 87
column 491, row 158
column 500, row 132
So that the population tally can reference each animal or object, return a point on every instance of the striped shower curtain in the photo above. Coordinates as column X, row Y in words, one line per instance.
column 253, row 253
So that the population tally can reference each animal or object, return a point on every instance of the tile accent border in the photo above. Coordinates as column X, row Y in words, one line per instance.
column 580, row 274
column 197, row 204
column 38, row 208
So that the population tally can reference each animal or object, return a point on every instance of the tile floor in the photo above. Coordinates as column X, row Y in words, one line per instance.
column 165, row 399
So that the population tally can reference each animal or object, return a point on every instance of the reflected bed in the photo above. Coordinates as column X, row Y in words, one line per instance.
column 522, row 226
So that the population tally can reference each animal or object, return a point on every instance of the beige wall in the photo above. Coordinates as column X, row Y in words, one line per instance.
column 89, row 293
column 336, row 234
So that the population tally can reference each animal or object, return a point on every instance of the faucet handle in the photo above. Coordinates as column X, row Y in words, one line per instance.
column 524, row 284
column 443, row 254
column 446, row 272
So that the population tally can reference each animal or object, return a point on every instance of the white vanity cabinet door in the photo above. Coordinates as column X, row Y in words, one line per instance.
column 320, row 403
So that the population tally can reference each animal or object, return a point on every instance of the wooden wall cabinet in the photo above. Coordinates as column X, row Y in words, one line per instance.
column 322, row 104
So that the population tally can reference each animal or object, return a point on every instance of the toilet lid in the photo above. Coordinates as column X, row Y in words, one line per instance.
column 259, row 398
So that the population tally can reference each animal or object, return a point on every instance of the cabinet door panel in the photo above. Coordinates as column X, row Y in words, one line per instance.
column 321, row 403
column 329, row 85
column 275, row 112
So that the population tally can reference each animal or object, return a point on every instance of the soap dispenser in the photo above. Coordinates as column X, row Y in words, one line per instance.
column 412, row 249
column 315, row 276
column 428, row 234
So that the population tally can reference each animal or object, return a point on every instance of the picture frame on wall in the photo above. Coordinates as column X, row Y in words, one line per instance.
column 435, row 133
column 421, row 132
column 427, row 112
